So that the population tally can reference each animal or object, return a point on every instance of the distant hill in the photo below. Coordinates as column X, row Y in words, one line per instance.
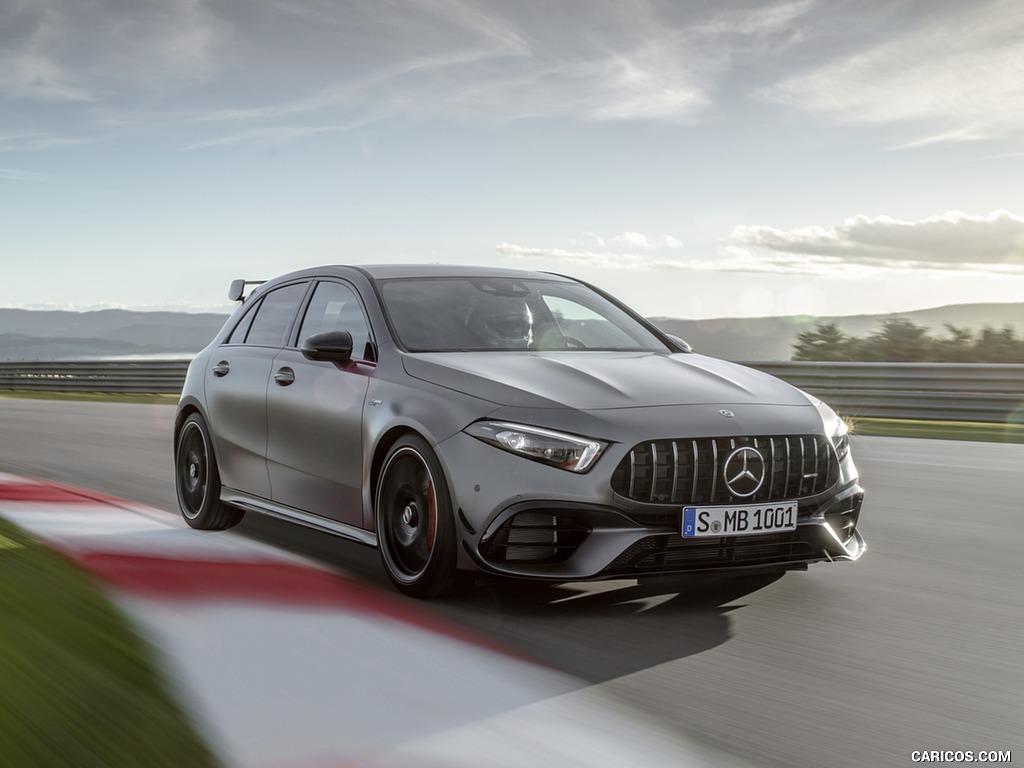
column 54, row 335
column 772, row 338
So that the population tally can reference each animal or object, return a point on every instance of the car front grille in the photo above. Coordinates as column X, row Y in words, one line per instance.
column 693, row 470
column 656, row 554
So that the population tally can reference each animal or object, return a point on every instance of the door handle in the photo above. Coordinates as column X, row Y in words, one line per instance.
column 284, row 376
column 221, row 368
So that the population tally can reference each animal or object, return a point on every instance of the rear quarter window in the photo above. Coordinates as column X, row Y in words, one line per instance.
column 273, row 317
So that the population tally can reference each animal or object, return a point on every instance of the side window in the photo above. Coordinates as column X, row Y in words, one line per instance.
column 274, row 316
column 238, row 335
column 335, row 307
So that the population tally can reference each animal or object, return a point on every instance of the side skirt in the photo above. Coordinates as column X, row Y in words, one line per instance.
column 263, row 506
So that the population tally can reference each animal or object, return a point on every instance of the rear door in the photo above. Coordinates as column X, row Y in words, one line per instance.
column 236, row 388
column 314, row 412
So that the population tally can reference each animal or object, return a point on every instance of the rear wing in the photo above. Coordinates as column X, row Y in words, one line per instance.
column 237, row 290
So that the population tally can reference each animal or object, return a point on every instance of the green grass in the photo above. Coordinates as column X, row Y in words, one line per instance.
column 78, row 687
column 940, row 430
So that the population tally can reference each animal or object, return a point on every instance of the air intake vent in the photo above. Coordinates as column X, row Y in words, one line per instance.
column 674, row 553
column 536, row 538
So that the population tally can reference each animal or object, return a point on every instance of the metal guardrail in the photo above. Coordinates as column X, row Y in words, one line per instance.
column 939, row 391
column 135, row 376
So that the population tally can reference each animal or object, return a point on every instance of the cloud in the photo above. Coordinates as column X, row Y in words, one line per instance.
column 759, row 22
column 860, row 247
column 728, row 259
column 182, row 67
column 9, row 174
column 591, row 237
column 476, row 61
column 634, row 239
column 68, row 51
column 956, row 76
column 28, row 66
column 626, row 60
column 271, row 135
column 605, row 260
column 638, row 240
column 284, row 69
column 627, row 250
column 31, row 142
column 954, row 240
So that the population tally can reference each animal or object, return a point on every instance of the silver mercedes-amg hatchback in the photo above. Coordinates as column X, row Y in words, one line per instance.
column 510, row 422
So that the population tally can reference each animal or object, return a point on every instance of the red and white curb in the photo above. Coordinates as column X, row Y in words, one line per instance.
column 284, row 663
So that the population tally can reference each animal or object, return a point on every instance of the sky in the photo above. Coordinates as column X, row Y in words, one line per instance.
column 697, row 158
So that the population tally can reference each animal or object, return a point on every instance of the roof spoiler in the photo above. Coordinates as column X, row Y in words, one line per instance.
column 237, row 290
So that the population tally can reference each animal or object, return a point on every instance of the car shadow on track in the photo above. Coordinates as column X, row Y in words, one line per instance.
column 595, row 631
column 602, row 630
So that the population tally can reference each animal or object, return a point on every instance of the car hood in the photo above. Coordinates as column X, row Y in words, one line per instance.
column 599, row 380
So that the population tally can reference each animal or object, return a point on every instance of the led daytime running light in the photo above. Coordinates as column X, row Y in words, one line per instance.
column 557, row 449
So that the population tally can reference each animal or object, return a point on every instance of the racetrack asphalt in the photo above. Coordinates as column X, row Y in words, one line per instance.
column 281, row 662
column 915, row 647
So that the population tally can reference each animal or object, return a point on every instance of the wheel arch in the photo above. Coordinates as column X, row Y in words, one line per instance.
column 388, row 439
column 185, row 409
column 391, row 436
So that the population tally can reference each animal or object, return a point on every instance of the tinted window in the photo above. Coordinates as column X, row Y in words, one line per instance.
column 334, row 307
column 497, row 314
column 238, row 335
column 274, row 316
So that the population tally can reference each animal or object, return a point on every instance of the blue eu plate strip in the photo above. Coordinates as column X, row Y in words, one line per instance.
column 689, row 521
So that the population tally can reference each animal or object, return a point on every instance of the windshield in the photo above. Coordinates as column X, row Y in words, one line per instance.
column 452, row 314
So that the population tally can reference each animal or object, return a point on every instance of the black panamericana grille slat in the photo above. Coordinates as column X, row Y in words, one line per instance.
column 689, row 471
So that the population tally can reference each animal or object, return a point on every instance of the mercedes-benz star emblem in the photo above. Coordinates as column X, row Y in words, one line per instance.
column 744, row 471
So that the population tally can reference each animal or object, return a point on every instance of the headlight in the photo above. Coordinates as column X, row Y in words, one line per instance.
column 841, row 440
column 836, row 428
column 569, row 452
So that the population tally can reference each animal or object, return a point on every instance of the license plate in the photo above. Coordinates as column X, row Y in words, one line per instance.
column 739, row 520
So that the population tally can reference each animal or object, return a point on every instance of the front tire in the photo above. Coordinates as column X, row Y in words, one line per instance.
column 415, row 522
column 197, row 479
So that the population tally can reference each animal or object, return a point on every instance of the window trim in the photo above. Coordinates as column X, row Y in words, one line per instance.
column 295, row 342
column 250, row 312
column 290, row 329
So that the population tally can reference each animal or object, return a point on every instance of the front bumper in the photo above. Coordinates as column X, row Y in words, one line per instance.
column 570, row 541
column 525, row 519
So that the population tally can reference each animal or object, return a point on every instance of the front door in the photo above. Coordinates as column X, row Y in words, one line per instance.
column 314, row 413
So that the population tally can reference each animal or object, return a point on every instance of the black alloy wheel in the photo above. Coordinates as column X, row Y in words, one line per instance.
column 415, row 524
column 197, row 480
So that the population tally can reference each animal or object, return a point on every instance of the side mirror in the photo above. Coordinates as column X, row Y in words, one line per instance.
column 683, row 346
column 331, row 347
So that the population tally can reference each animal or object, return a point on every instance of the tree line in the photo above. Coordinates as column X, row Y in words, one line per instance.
column 900, row 340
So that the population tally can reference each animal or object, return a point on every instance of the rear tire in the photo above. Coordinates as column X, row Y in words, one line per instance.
column 415, row 522
column 197, row 479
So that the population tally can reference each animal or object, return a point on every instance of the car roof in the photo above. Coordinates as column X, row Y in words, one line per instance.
column 388, row 271
column 374, row 272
